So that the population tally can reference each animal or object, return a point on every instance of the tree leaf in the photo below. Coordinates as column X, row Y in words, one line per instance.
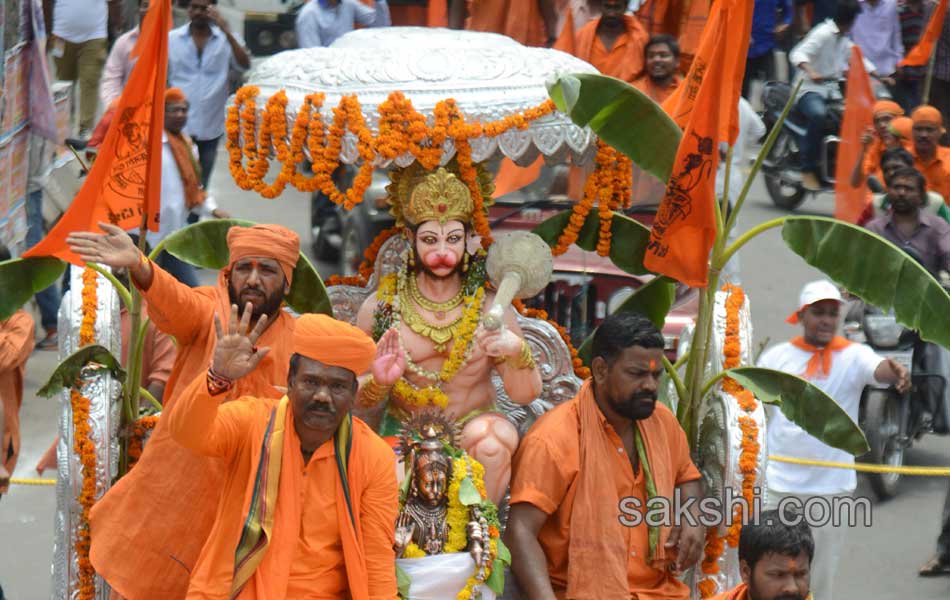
column 403, row 581
column 628, row 241
column 468, row 493
column 622, row 116
column 653, row 299
column 205, row 245
column 496, row 579
column 21, row 278
column 504, row 554
column 805, row 405
column 875, row 270
column 88, row 360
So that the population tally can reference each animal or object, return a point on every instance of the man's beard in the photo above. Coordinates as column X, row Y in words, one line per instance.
column 634, row 407
column 755, row 595
column 270, row 307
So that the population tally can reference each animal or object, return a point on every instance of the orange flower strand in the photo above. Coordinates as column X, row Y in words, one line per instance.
column 90, row 301
column 580, row 370
column 140, row 429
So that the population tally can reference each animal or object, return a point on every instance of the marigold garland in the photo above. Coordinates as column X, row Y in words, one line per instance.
column 536, row 313
column 83, row 446
column 402, row 130
column 749, row 456
column 140, row 429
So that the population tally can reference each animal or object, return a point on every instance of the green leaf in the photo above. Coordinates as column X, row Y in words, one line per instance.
column 628, row 241
column 205, row 245
column 504, row 554
column 403, row 581
column 88, row 360
column 653, row 299
column 875, row 270
column 496, row 579
column 805, row 405
column 622, row 116
column 468, row 493
column 21, row 278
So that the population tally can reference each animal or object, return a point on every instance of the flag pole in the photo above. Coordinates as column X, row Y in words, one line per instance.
column 925, row 98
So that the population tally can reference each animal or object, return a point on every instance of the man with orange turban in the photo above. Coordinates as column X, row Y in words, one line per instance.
column 614, row 43
column 875, row 141
column 164, row 508
column 310, row 499
column 930, row 158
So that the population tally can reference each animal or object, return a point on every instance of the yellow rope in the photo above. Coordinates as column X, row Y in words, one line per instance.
column 926, row 471
column 16, row 481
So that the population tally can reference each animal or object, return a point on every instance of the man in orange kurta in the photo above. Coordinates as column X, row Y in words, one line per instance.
column 164, row 508
column 578, row 490
column 775, row 555
column 875, row 141
column 613, row 43
column 309, row 498
column 930, row 158
column 660, row 77
column 531, row 22
column 16, row 344
column 683, row 19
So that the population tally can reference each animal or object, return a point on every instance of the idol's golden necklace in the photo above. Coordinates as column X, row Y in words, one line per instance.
column 440, row 334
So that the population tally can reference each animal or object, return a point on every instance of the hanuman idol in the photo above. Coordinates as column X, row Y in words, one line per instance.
column 426, row 319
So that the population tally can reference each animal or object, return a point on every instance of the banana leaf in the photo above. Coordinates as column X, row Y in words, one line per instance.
column 205, row 245
column 20, row 278
column 875, row 270
column 88, row 360
column 653, row 299
column 622, row 116
column 628, row 241
column 805, row 405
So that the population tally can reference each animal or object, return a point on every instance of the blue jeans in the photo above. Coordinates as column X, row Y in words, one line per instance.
column 813, row 107
column 178, row 269
column 207, row 151
column 49, row 298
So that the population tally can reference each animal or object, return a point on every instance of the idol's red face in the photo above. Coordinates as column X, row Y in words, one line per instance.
column 440, row 247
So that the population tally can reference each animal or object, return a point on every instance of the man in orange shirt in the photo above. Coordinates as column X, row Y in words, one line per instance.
column 613, row 43
column 930, row 158
column 531, row 22
column 775, row 554
column 309, row 499
column 164, row 508
column 875, row 141
column 660, row 78
column 581, row 463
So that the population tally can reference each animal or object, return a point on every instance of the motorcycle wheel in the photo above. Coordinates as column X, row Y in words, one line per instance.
column 787, row 195
column 882, row 414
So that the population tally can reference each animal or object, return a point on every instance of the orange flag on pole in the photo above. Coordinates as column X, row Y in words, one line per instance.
column 685, row 226
column 920, row 54
column 858, row 116
column 124, row 184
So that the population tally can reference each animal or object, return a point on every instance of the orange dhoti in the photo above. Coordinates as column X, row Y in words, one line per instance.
column 16, row 344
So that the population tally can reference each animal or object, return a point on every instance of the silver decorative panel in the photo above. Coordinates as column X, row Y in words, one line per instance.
column 103, row 392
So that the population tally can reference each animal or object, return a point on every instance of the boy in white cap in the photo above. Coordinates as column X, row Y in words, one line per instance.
column 841, row 369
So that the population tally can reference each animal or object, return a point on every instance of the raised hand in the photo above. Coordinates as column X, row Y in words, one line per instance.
column 235, row 354
column 113, row 248
column 390, row 362
column 405, row 527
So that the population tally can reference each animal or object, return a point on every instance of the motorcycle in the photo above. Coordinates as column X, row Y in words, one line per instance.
column 782, row 167
column 891, row 421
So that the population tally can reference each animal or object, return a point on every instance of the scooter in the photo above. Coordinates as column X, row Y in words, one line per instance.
column 891, row 421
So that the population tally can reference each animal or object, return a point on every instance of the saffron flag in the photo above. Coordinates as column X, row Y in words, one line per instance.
column 920, row 54
column 685, row 226
column 123, row 186
column 850, row 201
column 511, row 177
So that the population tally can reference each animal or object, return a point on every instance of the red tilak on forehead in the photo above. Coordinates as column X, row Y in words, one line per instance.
column 652, row 365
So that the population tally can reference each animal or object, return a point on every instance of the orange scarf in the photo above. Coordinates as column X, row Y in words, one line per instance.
column 597, row 544
column 819, row 366
column 180, row 145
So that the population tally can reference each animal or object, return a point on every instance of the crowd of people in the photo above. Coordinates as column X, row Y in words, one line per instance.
column 297, row 378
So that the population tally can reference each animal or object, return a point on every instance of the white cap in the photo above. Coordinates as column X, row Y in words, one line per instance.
column 815, row 291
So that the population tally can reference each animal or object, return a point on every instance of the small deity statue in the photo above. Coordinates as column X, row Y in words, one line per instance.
column 427, row 319
column 427, row 445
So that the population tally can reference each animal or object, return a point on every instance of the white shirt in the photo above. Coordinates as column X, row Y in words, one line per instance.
column 751, row 128
column 319, row 24
column 174, row 214
column 79, row 21
column 828, row 53
column 203, row 79
column 851, row 370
